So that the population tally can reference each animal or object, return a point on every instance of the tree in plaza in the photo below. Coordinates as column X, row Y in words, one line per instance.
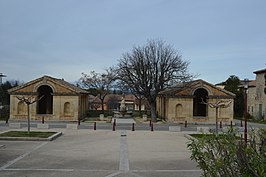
column 232, row 84
column 149, row 69
column 100, row 83
column 28, row 101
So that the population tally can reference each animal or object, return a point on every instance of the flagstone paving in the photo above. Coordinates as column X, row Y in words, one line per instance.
column 101, row 153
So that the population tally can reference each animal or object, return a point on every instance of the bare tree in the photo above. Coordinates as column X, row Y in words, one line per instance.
column 149, row 69
column 101, row 82
column 29, row 100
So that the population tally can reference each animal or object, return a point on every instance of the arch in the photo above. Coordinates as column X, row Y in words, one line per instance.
column 178, row 110
column 209, row 92
column 21, row 108
column 45, row 105
column 200, row 109
column 38, row 85
column 67, row 108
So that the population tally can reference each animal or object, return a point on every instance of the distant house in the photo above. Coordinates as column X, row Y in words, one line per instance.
column 256, row 97
column 61, row 100
column 112, row 102
column 184, row 102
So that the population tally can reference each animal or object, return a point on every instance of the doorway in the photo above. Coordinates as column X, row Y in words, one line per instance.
column 200, row 109
column 45, row 104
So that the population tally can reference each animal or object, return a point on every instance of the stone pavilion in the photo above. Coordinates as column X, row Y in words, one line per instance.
column 60, row 100
column 184, row 103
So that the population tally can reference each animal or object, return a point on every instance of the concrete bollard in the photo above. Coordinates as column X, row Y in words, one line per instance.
column 43, row 126
column 133, row 127
column 72, row 126
column 174, row 128
column 94, row 126
column 15, row 125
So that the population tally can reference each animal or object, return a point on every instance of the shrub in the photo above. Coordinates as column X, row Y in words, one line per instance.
column 227, row 155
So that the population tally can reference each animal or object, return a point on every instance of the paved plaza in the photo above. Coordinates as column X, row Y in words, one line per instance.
column 100, row 153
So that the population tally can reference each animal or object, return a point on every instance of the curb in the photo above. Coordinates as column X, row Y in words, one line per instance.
column 189, row 137
column 50, row 138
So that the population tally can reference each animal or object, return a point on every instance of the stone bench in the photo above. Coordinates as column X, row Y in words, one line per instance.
column 15, row 125
column 72, row 126
column 174, row 128
column 203, row 129
column 43, row 126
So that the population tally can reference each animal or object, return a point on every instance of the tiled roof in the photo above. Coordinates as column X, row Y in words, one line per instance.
column 190, row 85
column 260, row 71
column 55, row 80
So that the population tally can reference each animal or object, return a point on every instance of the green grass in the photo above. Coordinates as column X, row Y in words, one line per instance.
column 25, row 134
column 254, row 120
column 198, row 136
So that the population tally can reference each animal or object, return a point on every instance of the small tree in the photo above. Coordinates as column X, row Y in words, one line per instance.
column 217, row 105
column 29, row 100
column 149, row 69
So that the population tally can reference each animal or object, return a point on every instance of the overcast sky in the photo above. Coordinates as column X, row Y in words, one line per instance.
column 63, row 38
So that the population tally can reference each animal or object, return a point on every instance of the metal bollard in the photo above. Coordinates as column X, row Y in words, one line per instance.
column 6, row 120
column 133, row 127
column 241, row 123
column 231, row 124
column 42, row 120
column 150, row 123
column 221, row 124
column 94, row 126
column 152, row 127
column 185, row 123
column 115, row 122
column 114, row 126
column 78, row 121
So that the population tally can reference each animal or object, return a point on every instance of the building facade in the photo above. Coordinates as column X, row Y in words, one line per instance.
column 113, row 102
column 256, row 97
column 185, row 102
column 57, row 100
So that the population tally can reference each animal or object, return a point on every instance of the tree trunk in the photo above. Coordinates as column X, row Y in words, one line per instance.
column 102, row 106
column 28, row 107
column 140, row 107
column 153, row 111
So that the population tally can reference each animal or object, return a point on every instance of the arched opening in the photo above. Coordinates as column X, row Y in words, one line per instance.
column 200, row 109
column 21, row 108
column 45, row 105
column 67, row 109
column 178, row 110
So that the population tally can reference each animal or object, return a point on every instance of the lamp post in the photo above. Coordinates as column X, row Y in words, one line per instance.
column 1, row 76
column 245, row 109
